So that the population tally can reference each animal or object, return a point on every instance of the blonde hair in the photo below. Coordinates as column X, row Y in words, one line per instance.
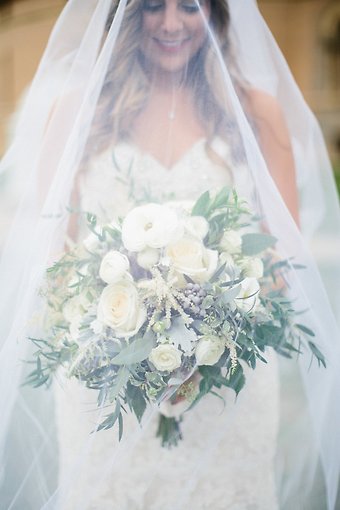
column 126, row 86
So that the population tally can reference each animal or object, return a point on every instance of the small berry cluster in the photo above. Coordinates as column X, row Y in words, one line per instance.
column 193, row 298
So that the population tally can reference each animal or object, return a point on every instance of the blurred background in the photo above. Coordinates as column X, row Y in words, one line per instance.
column 307, row 31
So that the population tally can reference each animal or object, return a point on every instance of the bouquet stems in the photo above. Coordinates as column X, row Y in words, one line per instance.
column 169, row 430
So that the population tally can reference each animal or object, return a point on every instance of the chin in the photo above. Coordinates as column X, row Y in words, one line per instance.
column 172, row 64
column 172, row 67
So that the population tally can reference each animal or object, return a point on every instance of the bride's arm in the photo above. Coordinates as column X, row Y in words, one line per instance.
column 59, row 123
column 273, row 136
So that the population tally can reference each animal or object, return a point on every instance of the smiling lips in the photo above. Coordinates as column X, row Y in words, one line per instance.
column 171, row 46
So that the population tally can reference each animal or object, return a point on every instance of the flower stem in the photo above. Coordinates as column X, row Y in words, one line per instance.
column 169, row 431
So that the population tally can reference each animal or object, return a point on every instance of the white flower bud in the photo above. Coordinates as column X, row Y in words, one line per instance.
column 113, row 266
column 252, row 267
column 165, row 357
column 231, row 242
column 247, row 300
column 209, row 350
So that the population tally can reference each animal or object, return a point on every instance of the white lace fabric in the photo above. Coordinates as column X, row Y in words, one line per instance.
column 151, row 179
column 238, row 474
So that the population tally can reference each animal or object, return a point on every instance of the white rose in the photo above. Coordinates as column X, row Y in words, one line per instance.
column 231, row 242
column 196, row 226
column 148, row 258
column 189, row 256
column 165, row 357
column 247, row 298
column 151, row 225
column 113, row 266
column 119, row 308
column 252, row 267
column 209, row 350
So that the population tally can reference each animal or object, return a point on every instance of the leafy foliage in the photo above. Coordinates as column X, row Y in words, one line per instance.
column 119, row 369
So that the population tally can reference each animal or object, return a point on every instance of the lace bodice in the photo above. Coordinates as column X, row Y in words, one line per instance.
column 123, row 175
column 225, row 461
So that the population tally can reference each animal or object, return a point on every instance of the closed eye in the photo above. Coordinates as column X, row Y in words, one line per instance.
column 190, row 8
column 153, row 6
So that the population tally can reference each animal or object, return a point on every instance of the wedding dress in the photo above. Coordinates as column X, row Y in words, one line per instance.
column 111, row 65
column 238, row 472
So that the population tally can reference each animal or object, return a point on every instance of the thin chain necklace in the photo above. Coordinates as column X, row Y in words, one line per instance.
column 172, row 111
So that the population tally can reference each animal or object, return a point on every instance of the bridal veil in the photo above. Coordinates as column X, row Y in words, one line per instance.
column 92, row 81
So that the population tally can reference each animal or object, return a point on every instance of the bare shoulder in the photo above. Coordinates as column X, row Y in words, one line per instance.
column 262, row 103
column 267, row 114
column 274, row 139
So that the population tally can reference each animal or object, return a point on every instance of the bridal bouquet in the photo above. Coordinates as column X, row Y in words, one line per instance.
column 165, row 306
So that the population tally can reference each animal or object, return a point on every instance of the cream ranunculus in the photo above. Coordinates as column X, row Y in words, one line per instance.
column 209, row 350
column 151, row 225
column 231, row 242
column 189, row 256
column 113, row 266
column 247, row 299
column 119, row 307
column 252, row 267
column 165, row 357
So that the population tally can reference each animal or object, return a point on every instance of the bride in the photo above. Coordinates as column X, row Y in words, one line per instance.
column 159, row 100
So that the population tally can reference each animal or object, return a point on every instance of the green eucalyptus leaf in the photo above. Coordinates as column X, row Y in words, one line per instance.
column 102, row 396
column 317, row 353
column 305, row 330
column 120, row 422
column 236, row 379
column 202, row 205
column 111, row 419
column 136, row 400
column 121, row 380
column 230, row 294
column 219, row 271
column 253, row 244
column 181, row 335
column 138, row 350
column 208, row 301
column 222, row 198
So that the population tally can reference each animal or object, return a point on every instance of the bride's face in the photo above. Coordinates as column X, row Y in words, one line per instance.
column 172, row 32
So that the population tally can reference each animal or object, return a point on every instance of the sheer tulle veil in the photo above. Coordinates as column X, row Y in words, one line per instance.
column 89, row 87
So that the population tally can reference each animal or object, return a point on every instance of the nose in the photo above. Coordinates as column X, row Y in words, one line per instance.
column 172, row 20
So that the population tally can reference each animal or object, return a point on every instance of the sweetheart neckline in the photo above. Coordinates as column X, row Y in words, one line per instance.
column 144, row 154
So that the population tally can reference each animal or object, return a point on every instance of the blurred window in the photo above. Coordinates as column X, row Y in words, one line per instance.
column 329, row 30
